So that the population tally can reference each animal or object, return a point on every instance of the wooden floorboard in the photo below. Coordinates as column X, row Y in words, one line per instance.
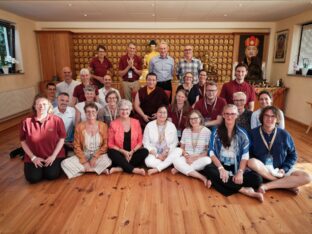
column 163, row 203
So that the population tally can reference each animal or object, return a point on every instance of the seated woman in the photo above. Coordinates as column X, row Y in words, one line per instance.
column 178, row 112
column 43, row 147
column 161, row 139
column 229, row 152
column 265, row 99
column 275, row 155
column 89, row 92
column 194, row 145
column 191, row 90
column 244, row 115
column 125, row 142
column 110, row 112
column 90, row 146
column 148, row 99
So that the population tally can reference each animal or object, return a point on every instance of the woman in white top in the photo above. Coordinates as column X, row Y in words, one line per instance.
column 194, row 145
column 89, row 92
column 161, row 139
column 265, row 99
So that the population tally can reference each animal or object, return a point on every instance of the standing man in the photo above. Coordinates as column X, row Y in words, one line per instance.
column 68, row 84
column 100, row 66
column 67, row 114
column 189, row 64
column 163, row 67
column 211, row 106
column 130, row 69
column 239, row 85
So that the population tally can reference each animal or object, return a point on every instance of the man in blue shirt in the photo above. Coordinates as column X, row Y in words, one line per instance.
column 275, row 155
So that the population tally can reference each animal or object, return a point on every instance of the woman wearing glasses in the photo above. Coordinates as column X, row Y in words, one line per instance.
column 194, row 145
column 244, row 115
column 110, row 111
column 161, row 140
column 275, row 155
column 229, row 152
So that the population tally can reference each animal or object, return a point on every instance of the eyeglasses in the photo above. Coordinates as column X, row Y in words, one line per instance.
column 194, row 118
column 211, row 90
column 269, row 116
column 124, row 109
column 187, row 49
column 91, row 112
column 238, row 100
column 162, row 112
column 229, row 114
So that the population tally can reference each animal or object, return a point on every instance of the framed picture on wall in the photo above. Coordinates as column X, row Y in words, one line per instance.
column 280, row 47
column 250, row 46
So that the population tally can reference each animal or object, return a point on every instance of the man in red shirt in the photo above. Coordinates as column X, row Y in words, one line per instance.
column 239, row 85
column 211, row 106
column 100, row 66
column 130, row 69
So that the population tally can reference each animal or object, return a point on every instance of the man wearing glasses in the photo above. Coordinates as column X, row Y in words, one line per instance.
column 211, row 106
column 189, row 64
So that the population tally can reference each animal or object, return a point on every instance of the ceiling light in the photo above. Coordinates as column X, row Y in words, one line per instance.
column 225, row 15
column 153, row 15
column 85, row 15
column 240, row 5
column 69, row 4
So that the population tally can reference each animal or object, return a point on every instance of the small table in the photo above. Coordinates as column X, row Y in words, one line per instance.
column 309, row 127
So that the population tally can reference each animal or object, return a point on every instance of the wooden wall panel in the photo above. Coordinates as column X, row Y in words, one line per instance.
column 214, row 49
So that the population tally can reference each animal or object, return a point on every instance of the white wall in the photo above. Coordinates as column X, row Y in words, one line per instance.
column 300, row 88
column 29, row 52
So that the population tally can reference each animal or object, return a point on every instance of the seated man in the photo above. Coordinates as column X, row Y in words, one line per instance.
column 148, row 99
column 51, row 93
column 67, row 114
column 107, row 87
column 211, row 106
column 275, row 155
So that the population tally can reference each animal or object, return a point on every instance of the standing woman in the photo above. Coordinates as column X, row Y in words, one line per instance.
column 90, row 146
column 42, row 138
column 89, row 92
column 194, row 145
column 191, row 90
column 110, row 111
column 100, row 66
column 178, row 112
column 265, row 99
column 125, row 142
column 161, row 140
column 229, row 152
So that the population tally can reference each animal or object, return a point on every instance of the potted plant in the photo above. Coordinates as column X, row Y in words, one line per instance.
column 7, row 63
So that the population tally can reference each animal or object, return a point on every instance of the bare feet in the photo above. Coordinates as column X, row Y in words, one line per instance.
column 106, row 172
column 250, row 192
column 139, row 171
column 174, row 171
column 152, row 171
column 294, row 190
column 262, row 189
column 115, row 169
column 208, row 184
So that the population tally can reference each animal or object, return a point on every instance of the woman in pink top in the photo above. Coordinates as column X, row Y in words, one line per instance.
column 125, row 142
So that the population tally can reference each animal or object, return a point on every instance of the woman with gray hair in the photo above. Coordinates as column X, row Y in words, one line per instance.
column 125, row 142
column 244, row 115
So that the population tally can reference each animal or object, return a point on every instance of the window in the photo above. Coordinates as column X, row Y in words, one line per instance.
column 7, row 42
column 305, row 49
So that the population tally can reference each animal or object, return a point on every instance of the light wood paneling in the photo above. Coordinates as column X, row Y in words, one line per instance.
column 163, row 203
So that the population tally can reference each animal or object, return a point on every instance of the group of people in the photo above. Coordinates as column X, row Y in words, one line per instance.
column 216, row 139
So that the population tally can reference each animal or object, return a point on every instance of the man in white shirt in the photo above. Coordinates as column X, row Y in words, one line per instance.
column 67, row 114
column 68, row 84
column 107, row 87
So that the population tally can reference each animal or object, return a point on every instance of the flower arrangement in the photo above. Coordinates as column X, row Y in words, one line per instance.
column 9, row 60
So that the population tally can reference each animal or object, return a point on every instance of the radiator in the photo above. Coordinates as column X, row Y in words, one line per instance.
column 13, row 103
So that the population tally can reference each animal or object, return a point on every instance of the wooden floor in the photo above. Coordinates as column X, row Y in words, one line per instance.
column 163, row 203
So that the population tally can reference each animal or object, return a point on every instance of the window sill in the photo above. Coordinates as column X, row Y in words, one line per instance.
column 298, row 75
column 12, row 74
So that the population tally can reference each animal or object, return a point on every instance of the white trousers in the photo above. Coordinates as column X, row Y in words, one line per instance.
column 153, row 162
column 73, row 168
column 182, row 166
